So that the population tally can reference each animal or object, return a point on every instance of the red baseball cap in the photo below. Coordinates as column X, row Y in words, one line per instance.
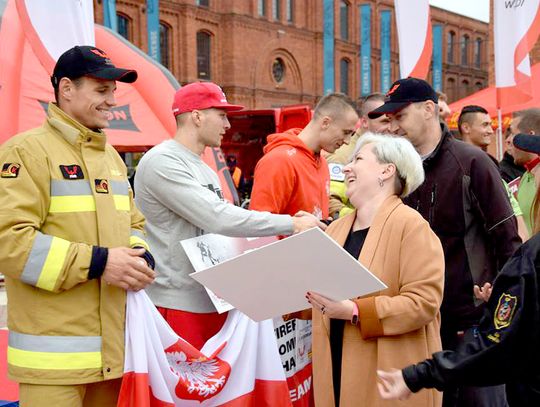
column 200, row 96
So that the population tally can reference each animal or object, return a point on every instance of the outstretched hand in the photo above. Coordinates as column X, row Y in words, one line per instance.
column 303, row 220
column 392, row 385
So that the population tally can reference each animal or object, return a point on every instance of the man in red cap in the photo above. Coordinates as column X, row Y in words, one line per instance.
column 181, row 198
column 72, row 242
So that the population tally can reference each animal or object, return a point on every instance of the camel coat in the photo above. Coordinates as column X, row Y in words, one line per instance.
column 398, row 326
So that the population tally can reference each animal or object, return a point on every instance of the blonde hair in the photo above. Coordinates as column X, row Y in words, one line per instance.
column 400, row 152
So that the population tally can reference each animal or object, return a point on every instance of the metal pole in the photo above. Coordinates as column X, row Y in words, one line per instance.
column 500, row 150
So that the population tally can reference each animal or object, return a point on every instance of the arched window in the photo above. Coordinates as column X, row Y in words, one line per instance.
column 344, row 76
column 261, row 7
column 276, row 10
column 203, row 55
column 278, row 70
column 344, row 19
column 451, row 39
column 464, row 88
column 479, row 86
column 124, row 26
column 451, row 89
column 478, row 52
column 165, row 44
column 465, row 50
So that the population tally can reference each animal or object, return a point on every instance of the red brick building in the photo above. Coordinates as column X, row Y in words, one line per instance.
column 268, row 53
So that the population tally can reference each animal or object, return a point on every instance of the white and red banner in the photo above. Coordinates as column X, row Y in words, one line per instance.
column 239, row 366
column 294, row 346
column 414, row 34
column 516, row 26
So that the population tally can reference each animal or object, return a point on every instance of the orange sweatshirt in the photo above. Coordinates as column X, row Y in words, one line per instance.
column 290, row 177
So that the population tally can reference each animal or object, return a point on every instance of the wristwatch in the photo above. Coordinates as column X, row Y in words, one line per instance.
column 354, row 319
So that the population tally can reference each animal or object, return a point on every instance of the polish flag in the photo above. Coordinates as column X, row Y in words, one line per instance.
column 516, row 26
column 414, row 34
column 240, row 366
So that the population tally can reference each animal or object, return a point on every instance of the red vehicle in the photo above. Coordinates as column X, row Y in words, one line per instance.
column 246, row 138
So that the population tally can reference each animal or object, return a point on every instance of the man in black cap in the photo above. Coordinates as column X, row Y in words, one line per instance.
column 72, row 242
column 466, row 205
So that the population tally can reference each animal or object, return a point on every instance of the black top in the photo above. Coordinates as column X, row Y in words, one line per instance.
column 509, row 169
column 466, row 205
column 353, row 245
column 506, row 350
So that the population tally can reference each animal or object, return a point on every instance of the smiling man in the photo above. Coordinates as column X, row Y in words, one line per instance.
column 181, row 198
column 292, row 175
column 474, row 125
column 466, row 205
column 72, row 242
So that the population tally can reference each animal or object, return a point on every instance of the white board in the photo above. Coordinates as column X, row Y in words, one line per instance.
column 272, row 280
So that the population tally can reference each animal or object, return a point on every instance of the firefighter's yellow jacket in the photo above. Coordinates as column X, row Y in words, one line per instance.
column 64, row 197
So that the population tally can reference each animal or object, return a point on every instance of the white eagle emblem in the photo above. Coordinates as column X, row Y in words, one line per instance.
column 199, row 377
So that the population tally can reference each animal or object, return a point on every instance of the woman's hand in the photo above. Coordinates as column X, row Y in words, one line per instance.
column 330, row 308
column 392, row 385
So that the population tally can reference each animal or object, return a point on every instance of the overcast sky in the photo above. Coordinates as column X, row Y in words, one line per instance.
column 478, row 9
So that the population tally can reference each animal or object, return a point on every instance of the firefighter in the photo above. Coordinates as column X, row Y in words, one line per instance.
column 72, row 242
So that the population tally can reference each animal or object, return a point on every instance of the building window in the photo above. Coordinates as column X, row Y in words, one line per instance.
column 451, row 89
column 203, row 55
column 164, row 45
column 465, row 50
column 276, row 10
column 344, row 20
column 464, row 88
column 290, row 11
column 204, row 3
column 450, row 47
column 278, row 70
column 478, row 86
column 344, row 76
column 261, row 7
column 124, row 26
column 478, row 52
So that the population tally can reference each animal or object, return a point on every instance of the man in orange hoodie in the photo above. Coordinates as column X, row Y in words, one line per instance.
column 292, row 175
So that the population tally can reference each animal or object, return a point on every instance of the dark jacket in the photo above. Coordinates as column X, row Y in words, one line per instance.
column 464, row 201
column 507, row 348
column 509, row 169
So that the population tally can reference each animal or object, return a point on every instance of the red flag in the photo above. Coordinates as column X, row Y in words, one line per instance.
column 516, row 26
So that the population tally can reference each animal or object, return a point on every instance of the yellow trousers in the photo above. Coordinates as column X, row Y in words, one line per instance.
column 99, row 394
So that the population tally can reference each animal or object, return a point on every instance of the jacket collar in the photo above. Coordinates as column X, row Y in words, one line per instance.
column 342, row 228
column 72, row 131
column 445, row 137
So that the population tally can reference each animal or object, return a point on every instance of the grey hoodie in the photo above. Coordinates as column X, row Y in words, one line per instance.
column 181, row 198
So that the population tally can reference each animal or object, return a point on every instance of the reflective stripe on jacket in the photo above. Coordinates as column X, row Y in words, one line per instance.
column 67, row 197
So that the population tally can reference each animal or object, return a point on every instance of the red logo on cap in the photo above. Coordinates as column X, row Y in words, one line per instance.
column 394, row 88
column 99, row 53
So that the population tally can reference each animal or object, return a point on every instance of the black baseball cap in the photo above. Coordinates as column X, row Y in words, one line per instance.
column 402, row 93
column 84, row 60
column 527, row 142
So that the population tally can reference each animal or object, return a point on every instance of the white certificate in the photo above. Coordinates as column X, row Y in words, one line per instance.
column 272, row 280
column 208, row 250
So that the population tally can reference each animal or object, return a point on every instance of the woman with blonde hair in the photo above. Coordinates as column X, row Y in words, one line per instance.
column 354, row 338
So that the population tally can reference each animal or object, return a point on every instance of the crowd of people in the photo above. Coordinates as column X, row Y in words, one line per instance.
column 428, row 212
